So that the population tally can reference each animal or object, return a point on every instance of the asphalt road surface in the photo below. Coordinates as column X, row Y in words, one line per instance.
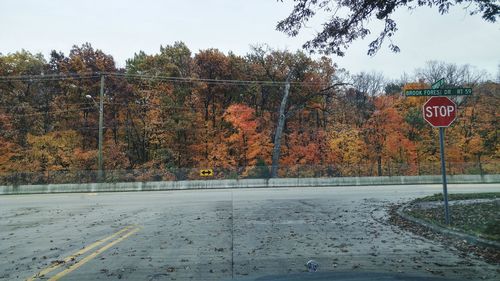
column 221, row 235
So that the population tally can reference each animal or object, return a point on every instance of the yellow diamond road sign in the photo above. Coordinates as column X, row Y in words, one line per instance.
column 207, row 173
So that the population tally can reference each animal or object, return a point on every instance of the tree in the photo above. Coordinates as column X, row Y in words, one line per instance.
column 454, row 75
column 20, row 99
column 498, row 74
column 477, row 127
column 53, row 151
column 393, row 88
column 248, row 141
column 224, row 111
column 173, row 60
column 385, row 135
column 340, row 31
column 369, row 83
column 83, row 60
column 348, row 149
column 174, row 130
column 294, row 68
column 355, row 107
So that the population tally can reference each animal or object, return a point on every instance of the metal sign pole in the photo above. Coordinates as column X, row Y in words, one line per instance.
column 443, row 171
column 440, row 111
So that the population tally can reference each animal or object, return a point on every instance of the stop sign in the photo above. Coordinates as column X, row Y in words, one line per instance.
column 440, row 111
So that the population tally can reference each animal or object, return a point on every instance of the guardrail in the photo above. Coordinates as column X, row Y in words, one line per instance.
column 243, row 183
column 246, row 172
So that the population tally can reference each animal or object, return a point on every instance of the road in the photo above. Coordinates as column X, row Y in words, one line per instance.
column 220, row 234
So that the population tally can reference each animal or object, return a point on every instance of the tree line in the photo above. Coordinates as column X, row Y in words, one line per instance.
column 270, row 113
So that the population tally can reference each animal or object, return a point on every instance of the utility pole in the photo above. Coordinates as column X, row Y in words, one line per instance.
column 101, row 127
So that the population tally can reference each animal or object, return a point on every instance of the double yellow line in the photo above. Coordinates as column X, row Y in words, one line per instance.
column 124, row 233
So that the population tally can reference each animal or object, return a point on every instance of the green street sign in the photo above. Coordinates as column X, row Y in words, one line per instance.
column 439, row 92
column 438, row 84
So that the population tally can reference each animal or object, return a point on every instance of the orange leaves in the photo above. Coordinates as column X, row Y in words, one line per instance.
column 5, row 123
column 241, row 117
column 303, row 149
column 115, row 157
column 8, row 152
column 386, row 134
column 86, row 159
column 248, row 141
column 162, row 124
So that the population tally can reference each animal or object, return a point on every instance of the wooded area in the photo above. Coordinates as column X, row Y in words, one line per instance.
column 169, row 114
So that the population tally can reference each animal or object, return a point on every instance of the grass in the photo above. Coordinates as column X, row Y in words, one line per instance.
column 459, row 196
column 480, row 219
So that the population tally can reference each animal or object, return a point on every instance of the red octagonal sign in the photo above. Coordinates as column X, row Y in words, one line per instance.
column 440, row 111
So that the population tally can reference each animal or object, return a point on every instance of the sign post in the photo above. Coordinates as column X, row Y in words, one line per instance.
column 443, row 171
column 441, row 112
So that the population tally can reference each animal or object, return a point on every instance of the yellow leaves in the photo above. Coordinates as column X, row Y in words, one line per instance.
column 54, row 151
column 347, row 146
column 476, row 145
column 156, row 124
column 471, row 145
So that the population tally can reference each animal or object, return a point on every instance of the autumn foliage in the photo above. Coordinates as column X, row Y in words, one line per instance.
column 221, row 113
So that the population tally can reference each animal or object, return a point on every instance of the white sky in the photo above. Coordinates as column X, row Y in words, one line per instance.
column 123, row 27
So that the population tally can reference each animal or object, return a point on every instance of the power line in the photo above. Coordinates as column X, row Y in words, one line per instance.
column 131, row 105
column 39, row 106
column 215, row 81
column 237, row 82
column 160, row 130
column 50, row 112
column 48, row 77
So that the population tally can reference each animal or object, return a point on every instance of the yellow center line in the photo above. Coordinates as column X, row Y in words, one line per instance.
column 82, row 251
column 92, row 255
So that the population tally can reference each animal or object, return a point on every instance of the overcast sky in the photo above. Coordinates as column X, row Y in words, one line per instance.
column 123, row 27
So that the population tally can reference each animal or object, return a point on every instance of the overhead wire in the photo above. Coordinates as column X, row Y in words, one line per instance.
column 214, row 81
column 48, row 77
column 51, row 77
column 38, row 106
column 51, row 112
column 152, row 129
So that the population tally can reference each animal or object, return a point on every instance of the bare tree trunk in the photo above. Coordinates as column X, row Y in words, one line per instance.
column 326, row 113
column 279, row 131
column 379, row 165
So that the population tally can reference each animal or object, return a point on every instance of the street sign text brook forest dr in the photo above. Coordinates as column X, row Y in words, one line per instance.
column 439, row 92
